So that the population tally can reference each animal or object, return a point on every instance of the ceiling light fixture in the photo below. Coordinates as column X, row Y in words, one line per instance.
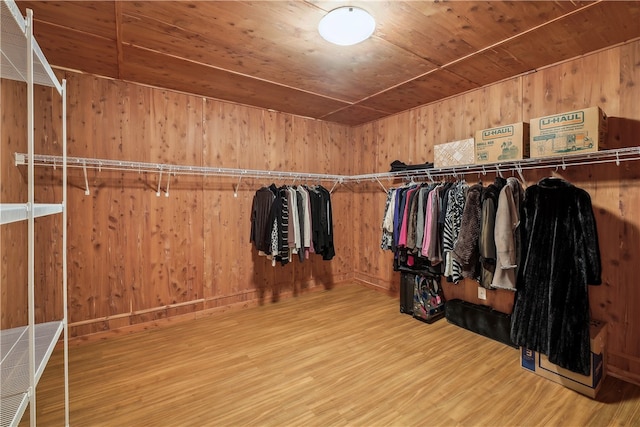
column 346, row 26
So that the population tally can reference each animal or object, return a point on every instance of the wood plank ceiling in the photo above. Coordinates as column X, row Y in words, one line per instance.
column 269, row 53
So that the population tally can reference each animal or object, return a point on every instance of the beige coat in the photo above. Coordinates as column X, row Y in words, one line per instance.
column 506, row 235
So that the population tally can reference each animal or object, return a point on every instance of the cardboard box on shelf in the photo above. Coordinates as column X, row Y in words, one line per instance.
column 588, row 385
column 454, row 153
column 503, row 143
column 573, row 132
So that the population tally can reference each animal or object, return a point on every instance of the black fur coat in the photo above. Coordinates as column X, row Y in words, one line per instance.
column 560, row 257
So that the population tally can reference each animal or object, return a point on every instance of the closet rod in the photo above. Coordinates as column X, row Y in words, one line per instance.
column 598, row 157
column 604, row 156
column 123, row 165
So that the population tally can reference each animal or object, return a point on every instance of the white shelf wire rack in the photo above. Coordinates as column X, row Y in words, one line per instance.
column 14, row 365
column 570, row 159
column 14, row 212
column 14, row 61
column 173, row 169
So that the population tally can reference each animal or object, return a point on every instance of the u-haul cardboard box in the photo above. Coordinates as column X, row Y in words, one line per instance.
column 503, row 143
column 580, row 131
column 586, row 384
column 454, row 153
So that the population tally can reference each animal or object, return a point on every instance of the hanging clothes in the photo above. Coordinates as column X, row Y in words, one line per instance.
column 560, row 257
column 288, row 221
column 400, row 220
column 300, row 224
column 444, row 200
column 432, row 241
column 507, row 234
column 307, row 242
column 387, row 221
column 260, row 225
column 466, row 250
column 397, row 216
column 322, row 230
column 420, row 218
column 412, row 226
column 283, row 232
column 412, row 220
column 453, row 220
column 294, row 222
column 486, row 240
column 406, row 218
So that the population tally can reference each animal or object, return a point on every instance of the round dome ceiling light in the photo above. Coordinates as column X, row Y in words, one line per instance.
column 346, row 26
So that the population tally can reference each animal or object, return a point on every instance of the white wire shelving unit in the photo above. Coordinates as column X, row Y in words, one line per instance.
column 616, row 156
column 579, row 159
column 172, row 170
column 25, row 350
column 518, row 166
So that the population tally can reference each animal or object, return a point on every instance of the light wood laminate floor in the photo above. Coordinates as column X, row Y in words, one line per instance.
column 340, row 357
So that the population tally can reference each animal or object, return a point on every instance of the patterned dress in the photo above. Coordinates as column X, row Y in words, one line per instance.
column 453, row 220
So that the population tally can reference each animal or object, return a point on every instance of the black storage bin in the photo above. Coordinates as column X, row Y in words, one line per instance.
column 480, row 319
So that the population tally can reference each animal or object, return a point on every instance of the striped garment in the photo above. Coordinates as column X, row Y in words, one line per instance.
column 453, row 220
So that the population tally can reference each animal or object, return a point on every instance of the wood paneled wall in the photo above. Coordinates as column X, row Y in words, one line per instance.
column 609, row 79
column 13, row 251
column 135, row 257
column 13, row 189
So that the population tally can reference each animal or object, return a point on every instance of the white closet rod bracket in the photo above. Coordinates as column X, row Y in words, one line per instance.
column 18, row 160
column 166, row 193
column 86, row 181
column 159, row 182
column 337, row 181
column 520, row 174
column 236, row 187
column 380, row 183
